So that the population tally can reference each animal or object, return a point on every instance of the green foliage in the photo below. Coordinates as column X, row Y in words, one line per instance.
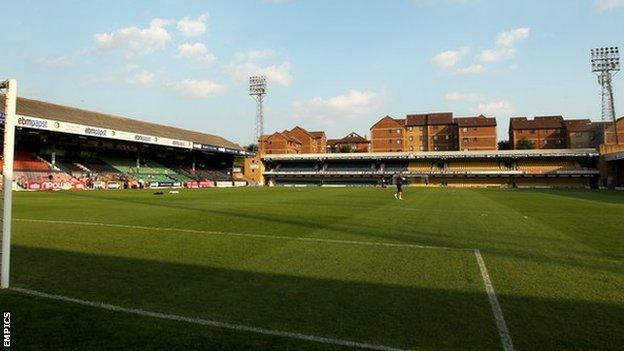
column 525, row 144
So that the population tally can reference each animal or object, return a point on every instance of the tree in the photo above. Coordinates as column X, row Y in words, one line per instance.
column 526, row 144
column 504, row 145
column 346, row 149
column 252, row 147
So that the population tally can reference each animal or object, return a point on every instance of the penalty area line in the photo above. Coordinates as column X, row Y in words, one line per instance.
column 249, row 235
column 211, row 323
column 503, row 331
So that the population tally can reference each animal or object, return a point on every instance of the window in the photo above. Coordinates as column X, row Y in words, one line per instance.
column 435, row 137
column 398, row 141
column 465, row 140
column 411, row 138
column 421, row 128
column 465, row 129
column 389, row 141
column 411, row 148
column 474, row 139
column 447, row 137
column 475, row 129
column 532, row 131
column 409, row 128
column 398, row 131
column 421, row 148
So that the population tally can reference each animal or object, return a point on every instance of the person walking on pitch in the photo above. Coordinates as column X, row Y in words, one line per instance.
column 399, row 184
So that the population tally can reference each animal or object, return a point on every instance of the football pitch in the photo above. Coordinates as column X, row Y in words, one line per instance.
column 318, row 269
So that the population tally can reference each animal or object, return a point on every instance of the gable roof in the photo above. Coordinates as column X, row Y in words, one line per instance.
column 398, row 122
column 477, row 121
column 47, row 110
column 538, row 122
column 415, row 120
column 317, row 134
column 440, row 118
column 302, row 130
column 579, row 125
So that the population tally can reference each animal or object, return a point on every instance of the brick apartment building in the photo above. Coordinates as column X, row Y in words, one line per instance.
column 280, row 143
column 476, row 133
column 415, row 133
column 582, row 133
column 294, row 141
column 433, row 132
column 609, row 132
column 387, row 135
column 544, row 132
column 352, row 142
column 311, row 142
column 441, row 132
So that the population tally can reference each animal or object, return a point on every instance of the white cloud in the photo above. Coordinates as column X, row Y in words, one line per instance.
column 499, row 108
column 195, row 89
column 608, row 5
column 472, row 69
column 192, row 28
column 468, row 97
column 134, row 40
column 450, row 58
column 278, row 74
column 353, row 103
column 59, row 61
column 196, row 51
column 505, row 45
column 255, row 54
column 143, row 78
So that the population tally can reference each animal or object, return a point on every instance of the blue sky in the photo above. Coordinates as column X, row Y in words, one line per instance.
column 335, row 65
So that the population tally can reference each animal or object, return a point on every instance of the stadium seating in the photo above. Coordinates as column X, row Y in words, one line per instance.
column 420, row 166
column 148, row 171
column 475, row 166
column 212, row 175
column 396, row 167
column 297, row 167
column 349, row 167
column 28, row 162
column 546, row 166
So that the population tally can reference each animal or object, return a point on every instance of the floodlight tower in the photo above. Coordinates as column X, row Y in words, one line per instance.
column 605, row 63
column 257, row 90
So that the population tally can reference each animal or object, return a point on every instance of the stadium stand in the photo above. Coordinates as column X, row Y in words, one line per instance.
column 395, row 167
column 420, row 166
column 300, row 167
column 502, row 168
column 547, row 166
column 475, row 166
column 349, row 167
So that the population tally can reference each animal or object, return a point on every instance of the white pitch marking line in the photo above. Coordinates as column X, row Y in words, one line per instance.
column 505, row 336
column 250, row 235
column 489, row 288
column 216, row 324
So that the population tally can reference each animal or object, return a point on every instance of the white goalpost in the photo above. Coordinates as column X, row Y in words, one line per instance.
column 9, row 87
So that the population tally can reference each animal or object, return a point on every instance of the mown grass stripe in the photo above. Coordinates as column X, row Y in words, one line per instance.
column 211, row 323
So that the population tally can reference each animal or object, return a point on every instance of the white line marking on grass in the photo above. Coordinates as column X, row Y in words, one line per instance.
column 503, row 331
column 215, row 324
column 249, row 235
column 505, row 336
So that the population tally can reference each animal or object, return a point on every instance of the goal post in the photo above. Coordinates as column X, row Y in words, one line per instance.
column 9, row 87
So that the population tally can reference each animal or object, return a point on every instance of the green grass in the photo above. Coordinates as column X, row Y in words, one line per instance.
column 556, row 259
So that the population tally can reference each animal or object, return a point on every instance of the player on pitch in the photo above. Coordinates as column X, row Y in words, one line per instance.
column 399, row 184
